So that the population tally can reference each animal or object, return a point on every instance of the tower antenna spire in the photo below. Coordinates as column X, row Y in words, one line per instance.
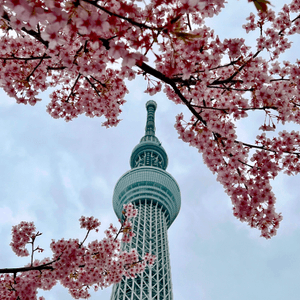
column 149, row 152
column 150, row 123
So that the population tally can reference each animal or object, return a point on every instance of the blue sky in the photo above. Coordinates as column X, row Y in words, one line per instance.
column 52, row 172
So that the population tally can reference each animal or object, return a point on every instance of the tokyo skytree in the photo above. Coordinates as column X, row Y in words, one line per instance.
column 156, row 195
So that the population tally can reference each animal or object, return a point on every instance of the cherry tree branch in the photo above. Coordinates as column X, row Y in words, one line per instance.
column 131, row 21
column 147, row 69
column 264, row 148
column 46, row 266
column 93, row 86
column 72, row 89
column 25, row 58
column 225, row 109
column 34, row 69
column 230, row 78
column 31, row 32
column 36, row 35
column 250, row 166
column 292, row 21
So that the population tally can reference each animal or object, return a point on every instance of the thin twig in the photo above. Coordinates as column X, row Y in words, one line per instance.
column 93, row 86
column 86, row 236
column 264, row 148
column 34, row 69
column 25, row 58
column 73, row 87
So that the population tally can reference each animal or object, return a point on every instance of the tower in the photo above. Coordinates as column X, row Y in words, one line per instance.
column 156, row 195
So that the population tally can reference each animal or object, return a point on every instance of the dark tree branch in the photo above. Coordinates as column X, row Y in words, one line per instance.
column 264, row 148
column 25, row 58
column 56, row 68
column 102, row 84
column 240, row 108
column 149, row 70
column 36, row 35
column 129, row 20
column 46, row 266
column 246, row 164
column 28, row 77
column 73, row 87
column 93, row 86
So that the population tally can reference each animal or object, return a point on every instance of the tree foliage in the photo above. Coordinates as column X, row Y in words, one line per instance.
column 86, row 49
column 76, row 266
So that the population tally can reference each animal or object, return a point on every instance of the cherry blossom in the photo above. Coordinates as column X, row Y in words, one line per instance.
column 86, row 50
column 74, row 264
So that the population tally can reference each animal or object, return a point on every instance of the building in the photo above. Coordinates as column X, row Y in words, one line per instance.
column 156, row 195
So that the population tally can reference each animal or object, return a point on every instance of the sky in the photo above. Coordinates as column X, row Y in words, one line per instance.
column 53, row 172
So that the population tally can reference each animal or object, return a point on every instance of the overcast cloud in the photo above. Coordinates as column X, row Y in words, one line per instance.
column 52, row 172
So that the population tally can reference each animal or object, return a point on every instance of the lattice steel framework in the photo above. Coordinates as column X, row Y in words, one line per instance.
column 156, row 195
column 150, row 227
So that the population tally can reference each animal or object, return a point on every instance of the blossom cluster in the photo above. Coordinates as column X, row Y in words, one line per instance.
column 72, row 47
column 22, row 234
column 75, row 265
column 149, row 258
column 85, row 50
column 130, row 212
column 89, row 223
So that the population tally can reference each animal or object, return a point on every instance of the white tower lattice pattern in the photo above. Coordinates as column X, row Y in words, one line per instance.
column 150, row 227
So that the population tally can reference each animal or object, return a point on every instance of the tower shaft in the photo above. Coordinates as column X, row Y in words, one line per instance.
column 150, row 227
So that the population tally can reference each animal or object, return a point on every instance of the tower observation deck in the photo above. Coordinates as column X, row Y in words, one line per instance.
column 156, row 195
